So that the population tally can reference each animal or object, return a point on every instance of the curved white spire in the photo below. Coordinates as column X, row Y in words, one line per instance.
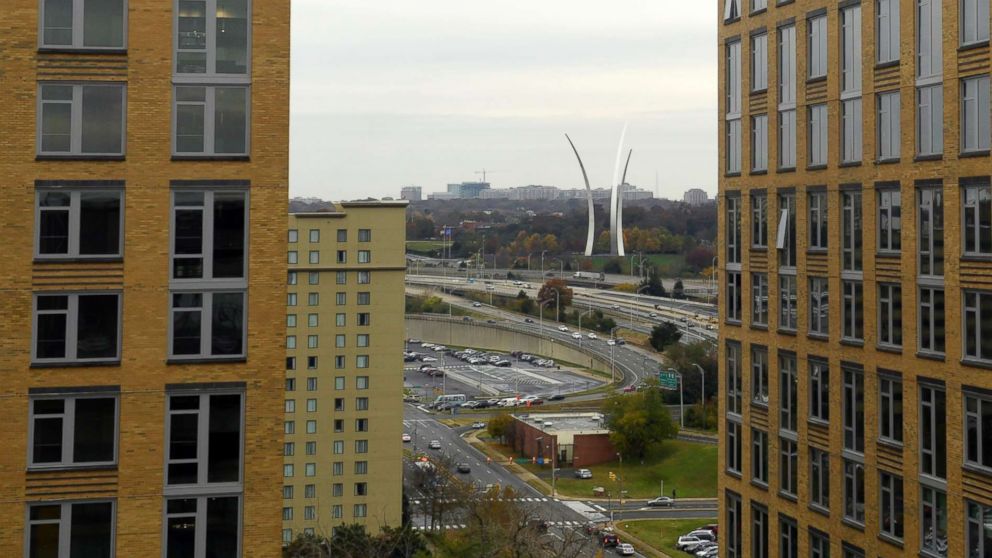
column 591, row 235
column 616, row 240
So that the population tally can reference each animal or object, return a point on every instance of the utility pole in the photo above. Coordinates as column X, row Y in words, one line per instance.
column 619, row 455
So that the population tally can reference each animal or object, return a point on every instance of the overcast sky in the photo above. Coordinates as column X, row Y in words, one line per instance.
column 387, row 93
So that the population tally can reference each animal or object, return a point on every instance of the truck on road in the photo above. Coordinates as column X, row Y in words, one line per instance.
column 589, row 275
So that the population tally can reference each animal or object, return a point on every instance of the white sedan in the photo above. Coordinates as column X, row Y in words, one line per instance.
column 576, row 335
column 407, row 437
column 562, row 328
column 592, row 335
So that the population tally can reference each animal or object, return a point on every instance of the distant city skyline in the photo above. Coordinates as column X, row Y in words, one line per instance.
column 506, row 83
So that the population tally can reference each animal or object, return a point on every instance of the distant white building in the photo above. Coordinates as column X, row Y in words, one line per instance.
column 695, row 196
column 411, row 193
column 497, row 194
column 442, row 196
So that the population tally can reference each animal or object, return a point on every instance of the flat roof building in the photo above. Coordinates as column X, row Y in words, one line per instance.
column 574, row 439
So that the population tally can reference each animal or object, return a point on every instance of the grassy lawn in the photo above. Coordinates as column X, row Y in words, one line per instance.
column 662, row 534
column 423, row 245
column 688, row 467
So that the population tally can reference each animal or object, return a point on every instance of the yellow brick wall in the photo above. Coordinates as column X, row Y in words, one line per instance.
column 143, row 275
column 950, row 168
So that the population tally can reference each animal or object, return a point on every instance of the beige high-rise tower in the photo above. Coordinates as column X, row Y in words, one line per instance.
column 344, row 368
column 855, row 264
column 142, row 218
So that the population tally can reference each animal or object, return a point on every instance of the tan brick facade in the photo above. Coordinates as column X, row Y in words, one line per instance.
column 344, row 410
column 136, row 483
column 949, row 372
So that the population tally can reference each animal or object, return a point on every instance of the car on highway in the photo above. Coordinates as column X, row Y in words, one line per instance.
column 576, row 335
column 434, row 444
column 592, row 335
column 476, row 305
column 611, row 342
column 710, row 327
column 463, row 468
column 556, row 397
column 528, row 320
column 490, row 321
column 625, row 549
column 615, row 307
column 653, row 315
column 621, row 341
column 518, row 283
column 608, row 538
column 583, row 474
column 478, row 425
column 562, row 328
column 407, row 437
column 661, row 502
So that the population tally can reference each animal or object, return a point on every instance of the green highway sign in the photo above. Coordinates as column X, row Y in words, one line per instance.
column 668, row 380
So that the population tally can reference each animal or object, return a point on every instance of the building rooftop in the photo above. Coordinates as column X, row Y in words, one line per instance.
column 565, row 423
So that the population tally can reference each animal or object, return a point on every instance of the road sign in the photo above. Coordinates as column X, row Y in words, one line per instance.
column 668, row 379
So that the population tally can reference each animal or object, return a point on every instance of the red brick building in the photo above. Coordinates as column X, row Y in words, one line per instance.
column 575, row 439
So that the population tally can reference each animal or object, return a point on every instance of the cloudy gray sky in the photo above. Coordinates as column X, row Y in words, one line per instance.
column 387, row 93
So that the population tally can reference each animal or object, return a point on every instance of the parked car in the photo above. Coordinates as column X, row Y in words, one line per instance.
column 434, row 444
column 429, row 359
column 583, row 474
column 686, row 541
column 661, row 501
column 704, row 534
column 625, row 549
column 407, row 437
column 710, row 551
column 478, row 425
column 470, row 404
column 503, row 363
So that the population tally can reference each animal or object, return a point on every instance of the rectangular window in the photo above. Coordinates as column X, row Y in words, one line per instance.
column 978, row 325
column 311, row 448
column 362, row 425
column 977, row 207
column 931, row 230
column 311, row 384
column 361, row 403
column 933, row 521
column 290, row 341
column 975, row 112
column 757, row 5
column 930, row 119
column 759, row 62
column 733, row 228
column 819, row 544
column 287, row 492
column 365, row 235
column 978, row 431
column 817, row 135
column 933, row 431
column 337, row 468
column 759, row 295
column 76, row 327
column 83, row 223
column 851, row 230
column 209, row 235
column 759, row 456
column 362, row 361
column 974, row 22
column 290, row 383
column 294, row 236
column 819, row 482
column 208, row 324
column 64, row 530
column 342, row 235
column 211, row 120
column 889, row 221
column 341, row 277
column 309, row 491
column 364, row 256
column 734, row 518
column 361, row 467
column 852, row 311
column 759, row 375
column 850, row 46
column 787, row 64
column 890, row 314
column 788, row 393
column 931, row 320
column 213, row 521
column 364, row 319
column 81, row 119
column 309, row 512
column 360, row 510
column 819, row 306
column 734, row 146
column 361, row 382
column 888, row 134
column 788, row 537
column 312, row 341
column 342, row 256
column 340, row 320
column 818, row 235
column 819, row 391
column 338, row 447
column 364, row 277
column 340, row 299
column 361, row 446
column 291, row 278
column 314, row 256
column 339, row 362
column 979, row 536
column 788, row 302
column 83, row 24
column 212, row 37
column 886, row 31
column 759, row 531
column 313, row 299
column 851, row 131
column 293, row 257
column 362, row 340
column 364, row 299
column 734, row 433
column 817, row 32
column 759, row 220
column 73, row 431
column 787, row 139
column 929, row 38
column 290, row 405
column 733, row 84
column 288, row 449
column 854, row 410
column 205, row 442
column 312, row 320
column 785, row 241
column 734, row 296
column 735, row 390
column 854, row 491
column 759, row 143
column 891, row 508
column 890, row 409
column 290, row 320
column 788, row 470
column 287, row 470
column 314, row 235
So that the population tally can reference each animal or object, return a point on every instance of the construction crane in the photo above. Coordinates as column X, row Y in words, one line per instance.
column 483, row 173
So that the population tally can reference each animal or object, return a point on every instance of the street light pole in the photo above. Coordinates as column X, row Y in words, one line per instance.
column 619, row 455
column 613, row 366
column 542, row 265
column 580, row 325
column 636, row 299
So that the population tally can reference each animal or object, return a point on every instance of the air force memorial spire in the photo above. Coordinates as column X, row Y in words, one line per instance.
column 616, row 200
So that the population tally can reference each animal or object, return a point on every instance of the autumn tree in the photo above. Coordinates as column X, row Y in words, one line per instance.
column 638, row 422
column 663, row 335
column 547, row 293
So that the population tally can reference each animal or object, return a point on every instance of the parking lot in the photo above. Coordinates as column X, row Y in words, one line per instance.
column 430, row 370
